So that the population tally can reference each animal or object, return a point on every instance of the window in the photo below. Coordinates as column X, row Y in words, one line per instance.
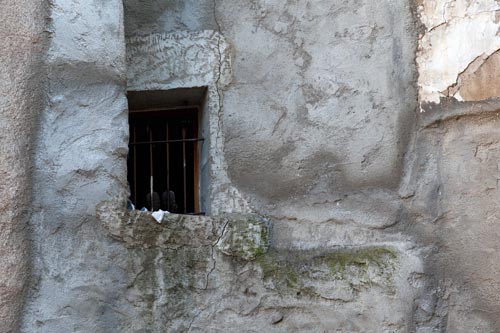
column 163, row 151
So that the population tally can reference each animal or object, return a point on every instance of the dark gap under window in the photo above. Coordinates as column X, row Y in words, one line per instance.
column 163, row 159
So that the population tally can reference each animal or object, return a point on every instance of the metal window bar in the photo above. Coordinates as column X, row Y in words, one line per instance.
column 167, row 146
column 151, row 170
column 135, row 163
column 184, row 167
column 166, row 141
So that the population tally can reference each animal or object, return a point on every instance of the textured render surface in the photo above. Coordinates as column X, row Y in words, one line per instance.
column 455, row 170
column 21, row 100
column 192, row 274
column 310, row 117
column 293, row 131
column 457, row 49
column 321, row 203
column 454, row 207
column 77, row 274
column 146, row 16
column 321, row 98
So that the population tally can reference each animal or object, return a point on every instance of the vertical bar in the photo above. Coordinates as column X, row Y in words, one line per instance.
column 135, row 162
column 184, row 167
column 168, row 169
column 151, row 165
column 151, row 193
column 196, row 180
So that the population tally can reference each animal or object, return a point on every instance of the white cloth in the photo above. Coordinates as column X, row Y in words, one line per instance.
column 158, row 215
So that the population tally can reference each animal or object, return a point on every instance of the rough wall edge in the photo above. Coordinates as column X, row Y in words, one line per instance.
column 25, row 42
column 451, row 109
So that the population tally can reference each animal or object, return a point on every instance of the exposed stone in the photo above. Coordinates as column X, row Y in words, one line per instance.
column 480, row 80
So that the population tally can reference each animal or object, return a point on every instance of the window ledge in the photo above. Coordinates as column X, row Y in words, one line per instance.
column 245, row 236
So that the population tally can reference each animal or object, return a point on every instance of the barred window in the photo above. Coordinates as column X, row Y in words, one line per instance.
column 163, row 154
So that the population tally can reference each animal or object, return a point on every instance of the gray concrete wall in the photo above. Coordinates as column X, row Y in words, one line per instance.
column 382, row 218
column 21, row 100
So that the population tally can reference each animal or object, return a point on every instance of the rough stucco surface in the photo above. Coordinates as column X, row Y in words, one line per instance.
column 21, row 100
column 209, row 274
column 455, row 169
column 98, row 268
column 77, row 275
column 145, row 17
column 321, row 96
column 454, row 208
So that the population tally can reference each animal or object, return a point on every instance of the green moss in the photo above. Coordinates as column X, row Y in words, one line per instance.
column 295, row 272
column 258, row 251
column 292, row 278
column 339, row 261
column 283, row 274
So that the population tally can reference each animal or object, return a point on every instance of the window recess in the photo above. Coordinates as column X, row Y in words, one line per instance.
column 163, row 167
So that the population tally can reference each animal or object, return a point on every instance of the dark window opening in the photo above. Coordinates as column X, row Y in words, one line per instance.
column 163, row 159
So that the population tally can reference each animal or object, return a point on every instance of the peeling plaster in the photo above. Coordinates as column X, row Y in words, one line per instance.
column 459, row 36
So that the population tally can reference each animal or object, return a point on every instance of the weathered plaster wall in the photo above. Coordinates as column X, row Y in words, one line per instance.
column 311, row 115
column 321, row 96
column 453, row 187
column 309, row 139
column 209, row 274
column 21, row 99
column 78, row 275
column 146, row 16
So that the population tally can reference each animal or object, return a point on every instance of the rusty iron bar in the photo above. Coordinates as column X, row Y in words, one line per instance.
column 135, row 163
column 184, row 167
column 167, row 141
column 151, row 169
column 167, row 144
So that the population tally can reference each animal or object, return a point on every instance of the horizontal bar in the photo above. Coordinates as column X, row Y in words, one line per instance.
column 186, row 107
column 165, row 141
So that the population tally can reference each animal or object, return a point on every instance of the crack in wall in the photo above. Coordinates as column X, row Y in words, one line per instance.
column 219, row 74
column 213, row 253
